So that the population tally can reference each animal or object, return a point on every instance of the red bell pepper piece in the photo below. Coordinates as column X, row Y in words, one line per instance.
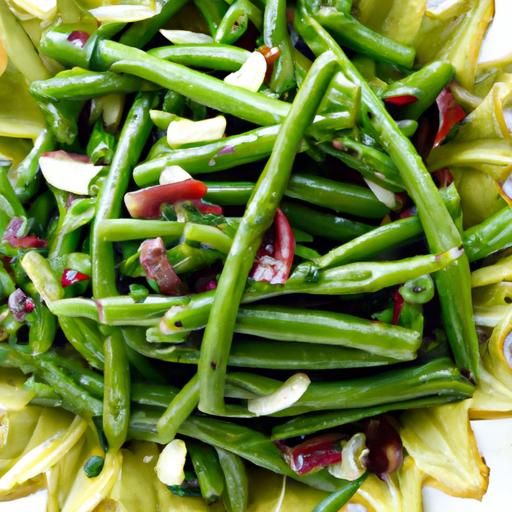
column 146, row 203
column 153, row 258
column 22, row 242
column 315, row 453
column 402, row 100
column 398, row 304
column 450, row 114
column 207, row 208
column 275, row 257
column 71, row 277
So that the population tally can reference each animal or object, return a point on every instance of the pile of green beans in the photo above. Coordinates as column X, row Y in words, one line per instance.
column 298, row 172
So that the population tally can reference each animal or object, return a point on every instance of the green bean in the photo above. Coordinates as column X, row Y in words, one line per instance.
column 144, row 366
column 61, row 241
column 453, row 283
column 311, row 326
column 208, row 470
column 251, row 383
column 40, row 273
column 215, row 156
column 381, row 238
column 236, row 490
column 341, row 93
column 81, row 84
column 173, row 102
column 323, row 224
column 427, row 82
column 250, row 445
column 437, row 377
column 40, row 211
column 209, row 236
column 42, row 330
column 258, row 217
column 315, row 422
column 350, row 32
column 162, row 119
column 141, row 32
column 236, row 20
column 116, row 398
column 7, row 190
column 122, row 230
column 154, row 395
column 408, row 127
column 493, row 234
column 212, row 11
column 229, row 193
column 62, row 119
column 341, row 197
column 76, row 307
column 179, row 409
column 372, row 243
column 340, row 497
column 347, row 279
column 244, row 442
column 91, row 381
column 5, row 213
column 204, row 89
column 120, row 310
column 73, row 395
column 418, row 291
column 275, row 34
column 85, row 339
column 131, row 142
column 101, row 145
column 7, row 285
column 256, row 353
column 155, row 335
column 370, row 162
column 220, row 57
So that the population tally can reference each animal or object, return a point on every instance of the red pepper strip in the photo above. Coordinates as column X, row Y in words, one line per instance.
column 71, row 277
column 207, row 208
column 146, row 203
column 284, row 250
column 402, row 100
column 153, row 259
column 316, row 453
column 398, row 304
column 66, row 155
column 22, row 242
column 385, row 445
column 271, row 55
column 450, row 114
column 274, row 261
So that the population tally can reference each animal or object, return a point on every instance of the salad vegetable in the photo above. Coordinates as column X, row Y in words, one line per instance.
column 254, row 254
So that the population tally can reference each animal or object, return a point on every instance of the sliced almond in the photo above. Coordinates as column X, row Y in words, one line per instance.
column 185, row 131
column 252, row 73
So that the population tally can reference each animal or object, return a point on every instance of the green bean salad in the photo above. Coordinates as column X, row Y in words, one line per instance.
column 254, row 254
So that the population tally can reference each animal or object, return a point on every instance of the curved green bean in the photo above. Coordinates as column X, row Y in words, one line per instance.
column 116, row 399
